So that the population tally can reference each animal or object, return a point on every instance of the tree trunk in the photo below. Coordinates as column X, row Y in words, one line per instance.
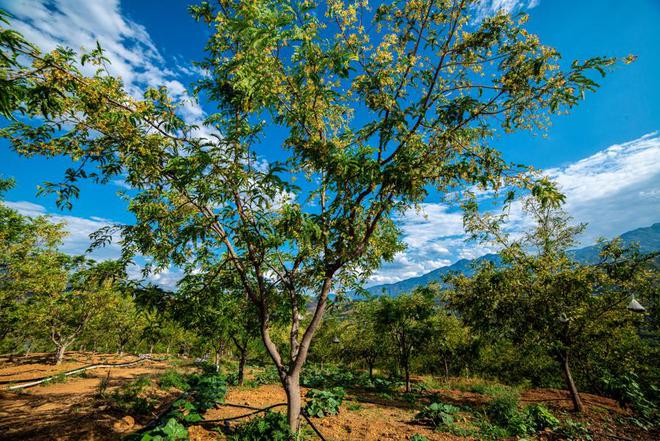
column 216, row 359
column 293, row 399
column 371, row 371
column 28, row 349
column 59, row 354
column 407, row 369
column 446, row 370
column 241, row 367
column 151, row 349
column 570, row 385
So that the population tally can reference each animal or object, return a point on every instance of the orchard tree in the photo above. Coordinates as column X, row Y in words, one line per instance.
column 215, row 306
column 407, row 321
column 29, row 262
column 540, row 296
column 448, row 337
column 369, row 108
column 360, row 337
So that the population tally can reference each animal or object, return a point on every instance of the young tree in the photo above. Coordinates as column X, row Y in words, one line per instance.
column 369, row 109
column 540, row 296
column 215, row 306
column 407, row 320
column 448, row 336
column 29, row 263
column 360, row 337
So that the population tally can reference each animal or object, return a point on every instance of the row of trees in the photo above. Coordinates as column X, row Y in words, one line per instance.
column 53, row 300
column 527, row 316
column 369, row 109
column 533, row 309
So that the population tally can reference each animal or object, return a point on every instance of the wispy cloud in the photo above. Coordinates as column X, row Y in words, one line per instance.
column 77, row 241
column 78, row 229
column 614, row 190
column 486, row 8
column 80, row 24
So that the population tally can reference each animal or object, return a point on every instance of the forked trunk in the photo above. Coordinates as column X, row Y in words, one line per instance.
column 294, row 401
column 59, row 354
column 570, row 385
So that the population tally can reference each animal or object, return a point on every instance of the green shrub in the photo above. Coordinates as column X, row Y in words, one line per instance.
column 207, row 390
column 321, row 403
column 171, row 431
column 418, row 437
column 267, row 376
column 541, row 418
column 628, row 392
column 172, row 379
column 439, row 415
column 273, row 426
column 573, row 430
column 131, row 397
column 503, row 408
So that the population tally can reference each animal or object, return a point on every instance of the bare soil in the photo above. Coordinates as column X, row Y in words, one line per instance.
column 72, row 411
column 67, row 410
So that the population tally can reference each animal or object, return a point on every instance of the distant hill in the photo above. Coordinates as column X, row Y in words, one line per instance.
column 648, row 239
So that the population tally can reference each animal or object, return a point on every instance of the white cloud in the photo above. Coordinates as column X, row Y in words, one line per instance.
column 80, row 24
column 614, row 190
column 78, row 230
column 486, row 8
column 77, row 241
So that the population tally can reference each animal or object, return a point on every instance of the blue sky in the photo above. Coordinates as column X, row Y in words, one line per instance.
column 605, row 154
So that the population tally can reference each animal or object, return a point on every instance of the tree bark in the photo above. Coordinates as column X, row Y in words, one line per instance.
column 294, row 401
column 241, row 366
column 407, row 369
column 28, row 349
column 59, row 354
column 570, row 385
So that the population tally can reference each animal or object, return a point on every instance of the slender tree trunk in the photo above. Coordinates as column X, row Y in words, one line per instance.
column 59, row 354
column 371, row 371
column 151, row 349
column 570, row 385
column 241, row 366
column 28, row 349
column 446, row 370
column 216, row 359
column 407, row 369
column 294, row 401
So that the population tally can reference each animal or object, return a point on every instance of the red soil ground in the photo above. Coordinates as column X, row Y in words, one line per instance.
column 71, row 410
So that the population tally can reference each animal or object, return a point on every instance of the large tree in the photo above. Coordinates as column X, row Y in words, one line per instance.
column 368, row 109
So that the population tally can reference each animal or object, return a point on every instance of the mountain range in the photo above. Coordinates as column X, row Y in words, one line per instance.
column 648, row 239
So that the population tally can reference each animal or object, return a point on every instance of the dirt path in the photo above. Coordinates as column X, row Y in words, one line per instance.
column 68, row 410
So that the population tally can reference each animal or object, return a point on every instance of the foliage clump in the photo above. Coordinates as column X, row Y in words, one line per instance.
column 438, row 415
column 273, row 426
column 321, row 403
